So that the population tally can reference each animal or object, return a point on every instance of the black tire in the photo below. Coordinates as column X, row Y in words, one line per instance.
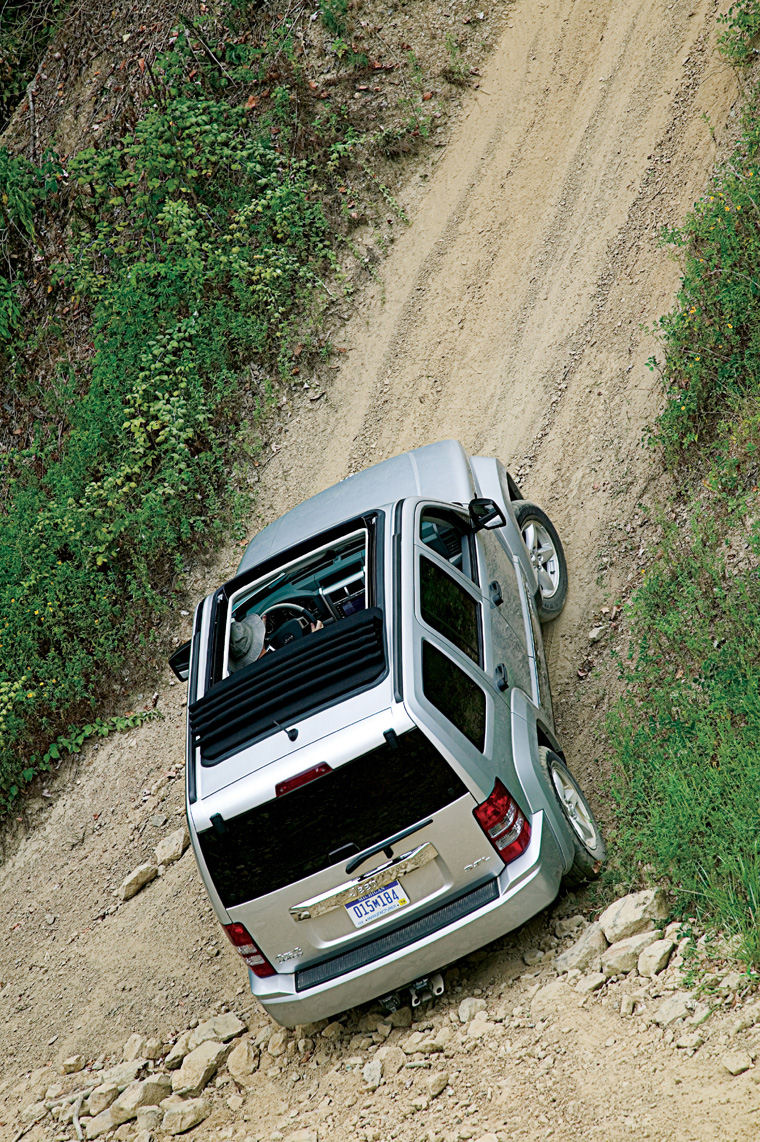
column 589, row 850
column 547, row 555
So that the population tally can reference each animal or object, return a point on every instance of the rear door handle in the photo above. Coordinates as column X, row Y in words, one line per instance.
column 500, row 677
column 494, row 590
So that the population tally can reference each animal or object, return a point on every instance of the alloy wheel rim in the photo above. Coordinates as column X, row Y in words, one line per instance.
column 543, row 556
column 576, row 809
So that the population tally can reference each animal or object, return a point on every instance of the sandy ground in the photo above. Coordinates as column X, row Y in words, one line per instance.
column 511, row 313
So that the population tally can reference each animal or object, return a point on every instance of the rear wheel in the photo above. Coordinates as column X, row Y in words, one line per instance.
column 589, row 851
column 547, row 556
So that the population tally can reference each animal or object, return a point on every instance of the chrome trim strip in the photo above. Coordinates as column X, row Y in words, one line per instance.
column 369, row 882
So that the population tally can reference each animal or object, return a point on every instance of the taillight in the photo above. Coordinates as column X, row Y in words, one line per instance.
column 504, row 823
column 240, row 938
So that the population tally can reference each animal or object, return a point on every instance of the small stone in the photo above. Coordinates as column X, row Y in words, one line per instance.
column 137, row 879
column 585, row 952
column 199, row 1067
column 655, row 958
column 102, row 1097
column 568, row 925
column 393, row 1059
column 149, row 1118
column 548, row 997
column 676, row 1006
column 690, row 1041
column 303, row 1135
column 634, row 913
column 122, row 1074
column 178, row 1051
column 153, row 1049
column 532, row 956
column 72, row 1065
column 477, row 1029
column 99, row 1125
column 33, row 1113
column 243, row 1061
column 278, row 1043
column 221, row 1027
column 235, row 1103
column 372, row 1073
column 591, row 982
column 133, row 1048
column 184, row 1116
column 736, row 1062
column 436, row 1082
column 170, row 849
column 332, row 1032
column 623, row 956
column 626, row 1005
column 470, row 1007
column 411, row 1045
column 384, row 1029
column 732, row 981
column 596, row 633
column 149, row 1092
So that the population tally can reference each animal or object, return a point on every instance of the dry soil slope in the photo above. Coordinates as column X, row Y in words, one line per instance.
column 508, row 315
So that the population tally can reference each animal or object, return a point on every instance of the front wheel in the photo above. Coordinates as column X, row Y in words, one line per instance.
column 547, row 556
column 589, row 851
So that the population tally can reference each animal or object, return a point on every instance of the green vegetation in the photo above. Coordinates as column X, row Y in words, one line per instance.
column 25, row 31
column 137, row 288
column 686, row 736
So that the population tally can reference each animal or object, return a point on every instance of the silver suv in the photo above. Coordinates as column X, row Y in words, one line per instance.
column 374, row 787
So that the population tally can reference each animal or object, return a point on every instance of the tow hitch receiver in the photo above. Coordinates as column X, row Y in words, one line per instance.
column 427, row 988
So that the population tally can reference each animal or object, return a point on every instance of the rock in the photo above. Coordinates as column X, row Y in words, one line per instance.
column 384, row 1029
column 235, row 1103
column 137, row 879
column 303, row 1135
column 626, row 1005
column 178, row 1051
column 568, row 926
column 34, row 1112
column 278, row 1043
column 372, row 1073
column 690, row 1041
column 748, row 1017
column 221, row 1027
column 99, row 1125
column 198, row 1067
column 547, row 998
column 133, row 1048
column 148, row 1092
column 122, row 1074
column 411, row 1045
column 153, row 1049
column 170, row 849
column 243, row 1061
column 488, row 1138
column 332, row 1032
column 596, row 634
column 184, row 1116
column 401, row 1018
column 591, row 982
column 470, row 1007
column 532, row 956
column 72, row 1065
column 654, row 959
column 102, row 1097
column 676, row 1006
column 736, row 1062
column 476, row 1029
column 393, row 1059
column 732, row 981
column 623, row 956
column 585, row 952
column 436, row 1082
column 149, row 1118
column 634, row 913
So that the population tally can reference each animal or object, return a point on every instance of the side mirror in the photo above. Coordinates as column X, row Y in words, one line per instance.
column 180, row 661
column 485, row 514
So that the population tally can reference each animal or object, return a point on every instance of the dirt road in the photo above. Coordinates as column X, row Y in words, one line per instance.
column 508, row 314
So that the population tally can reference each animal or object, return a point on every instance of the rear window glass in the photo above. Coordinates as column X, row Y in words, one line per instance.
column 346, row 811
column 455, row 694
column 450, row 609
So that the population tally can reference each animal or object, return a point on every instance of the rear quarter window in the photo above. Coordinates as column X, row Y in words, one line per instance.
column 455, row 694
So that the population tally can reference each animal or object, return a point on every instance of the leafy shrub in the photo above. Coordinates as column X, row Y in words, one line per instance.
column 739, row 38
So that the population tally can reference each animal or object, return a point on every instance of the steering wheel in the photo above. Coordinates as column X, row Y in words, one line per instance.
column 288, row 629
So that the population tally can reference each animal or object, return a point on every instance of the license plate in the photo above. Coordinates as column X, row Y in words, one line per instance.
column 380, row 903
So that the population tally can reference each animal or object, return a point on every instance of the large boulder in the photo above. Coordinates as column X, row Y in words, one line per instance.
column 623, row 956
column 585, row 953
column 637, row 912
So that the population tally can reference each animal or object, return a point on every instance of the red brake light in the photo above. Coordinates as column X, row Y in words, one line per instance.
column 304, row 778
column 504, row 823
column 241, row 939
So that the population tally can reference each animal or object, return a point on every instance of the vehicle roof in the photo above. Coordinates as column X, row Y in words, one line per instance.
column 440, row 471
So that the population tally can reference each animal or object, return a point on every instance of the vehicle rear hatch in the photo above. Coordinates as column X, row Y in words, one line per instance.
column 352, row 857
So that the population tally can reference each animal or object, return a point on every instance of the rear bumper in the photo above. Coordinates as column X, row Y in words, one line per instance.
column 525, row 887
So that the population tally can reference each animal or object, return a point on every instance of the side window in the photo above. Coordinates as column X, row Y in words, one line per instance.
column 450, row 537
column 455, row 694
column 449, row 609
